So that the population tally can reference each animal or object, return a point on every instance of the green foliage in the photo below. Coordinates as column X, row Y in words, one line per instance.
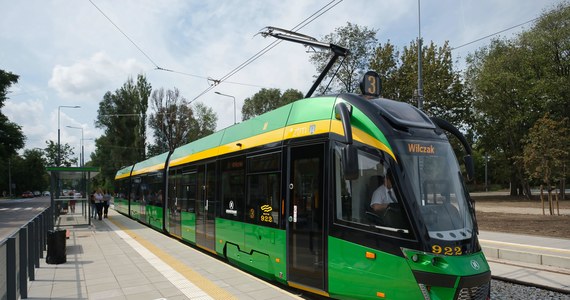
column 10, row 133
column 444, row 93
column 27, row 172
column 11, row 136
column 361, row 42
column 204, row 123
column 68, row 158
column 6, row 80
column 175, row 122
column 266, row 100
column 171, row 120
column 386, row 62
column 546, row 149
column 515, row 82
column 122, row 115
column 36, row 177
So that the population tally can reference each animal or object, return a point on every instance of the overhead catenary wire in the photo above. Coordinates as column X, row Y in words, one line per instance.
column 260, row 53
column 126, row 36
column 156, row 66
column 492, row 34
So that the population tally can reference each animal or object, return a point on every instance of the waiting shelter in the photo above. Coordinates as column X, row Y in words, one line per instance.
column 69, row 192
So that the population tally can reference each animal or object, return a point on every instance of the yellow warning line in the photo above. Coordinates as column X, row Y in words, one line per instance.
column 200, row 281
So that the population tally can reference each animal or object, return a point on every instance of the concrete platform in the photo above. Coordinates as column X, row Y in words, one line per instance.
column 118, row 258
column 528, row 259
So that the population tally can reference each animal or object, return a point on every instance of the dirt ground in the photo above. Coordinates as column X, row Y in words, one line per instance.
column 516, row 215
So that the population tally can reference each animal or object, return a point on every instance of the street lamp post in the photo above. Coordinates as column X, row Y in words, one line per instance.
column 81, row 156
column 234, row 103
column 83, row 146
column 58, row 162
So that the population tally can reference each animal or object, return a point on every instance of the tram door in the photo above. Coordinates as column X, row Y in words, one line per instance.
column 306, row 217
column 206, row 206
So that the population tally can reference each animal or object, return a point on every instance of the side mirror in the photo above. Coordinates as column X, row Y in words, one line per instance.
column 349, row 153
column 350, row 162
column 343, row 113
column 469, row 167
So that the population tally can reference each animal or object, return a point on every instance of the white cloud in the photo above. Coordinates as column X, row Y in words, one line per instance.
column 91, row 76
column 73, row 58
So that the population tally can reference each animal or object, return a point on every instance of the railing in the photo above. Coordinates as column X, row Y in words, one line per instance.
column 20, row 254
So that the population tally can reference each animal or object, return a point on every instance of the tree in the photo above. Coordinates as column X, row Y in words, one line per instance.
column 6, row 80
column 10, row 133
column 546, row 152
column 444, row 93
column 175, row 122
column 503, row 104
column 204, row 122
column 68, row 158
column 361, row 42
column 514, row 82
column 266, row 100
column 34, row 164
column 171, row 121
column 122, row 115
column 386, row 62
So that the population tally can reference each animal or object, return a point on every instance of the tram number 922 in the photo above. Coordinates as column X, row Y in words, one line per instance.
column 437, row 249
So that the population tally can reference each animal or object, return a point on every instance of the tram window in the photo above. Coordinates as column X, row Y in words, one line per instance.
column 263, row 196
column 136, row 193
column 182, row 191
column 121, row 187
column 233, row 185
column 173, row 179
column 263, row 203
column 353, row 197
column 154, row 191
column 186, row 192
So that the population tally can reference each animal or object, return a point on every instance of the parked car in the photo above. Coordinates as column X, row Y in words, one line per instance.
column 27, row 194
column 37, row 194
column 46, row 193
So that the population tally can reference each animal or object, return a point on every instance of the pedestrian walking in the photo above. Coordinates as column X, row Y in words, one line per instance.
column 93, row 206
column 106, row 203
column 99, row 203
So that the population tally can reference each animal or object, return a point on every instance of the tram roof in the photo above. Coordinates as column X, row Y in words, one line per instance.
column 271, row 127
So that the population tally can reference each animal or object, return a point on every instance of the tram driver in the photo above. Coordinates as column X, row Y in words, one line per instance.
column 385, row 209
column 383, row 195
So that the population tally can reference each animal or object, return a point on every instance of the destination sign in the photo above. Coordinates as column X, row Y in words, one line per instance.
column 421, row 149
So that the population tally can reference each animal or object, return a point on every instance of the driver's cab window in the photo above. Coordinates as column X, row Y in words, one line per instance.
column 372, row 201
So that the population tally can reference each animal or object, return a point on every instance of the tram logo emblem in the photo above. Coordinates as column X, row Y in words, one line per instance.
column 231, row 210
column 475, row 265
column 266, row 208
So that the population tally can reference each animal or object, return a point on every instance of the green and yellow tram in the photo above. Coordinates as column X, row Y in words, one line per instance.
column 287, row 196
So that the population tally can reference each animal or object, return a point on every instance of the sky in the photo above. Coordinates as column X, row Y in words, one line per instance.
column 70, row 53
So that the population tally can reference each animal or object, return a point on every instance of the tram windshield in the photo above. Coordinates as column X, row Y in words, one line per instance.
column 434, row 176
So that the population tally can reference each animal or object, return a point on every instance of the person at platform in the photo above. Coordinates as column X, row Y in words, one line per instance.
column 72, row 201
column 99, row 203
column 106, row 203
column 93, row 206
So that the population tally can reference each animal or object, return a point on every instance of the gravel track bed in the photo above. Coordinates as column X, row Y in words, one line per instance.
column 506, row 290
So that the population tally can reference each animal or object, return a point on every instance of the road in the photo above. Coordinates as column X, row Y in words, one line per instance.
column 14, row 213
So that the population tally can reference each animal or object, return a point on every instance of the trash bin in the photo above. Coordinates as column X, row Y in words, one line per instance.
column 56, row 247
